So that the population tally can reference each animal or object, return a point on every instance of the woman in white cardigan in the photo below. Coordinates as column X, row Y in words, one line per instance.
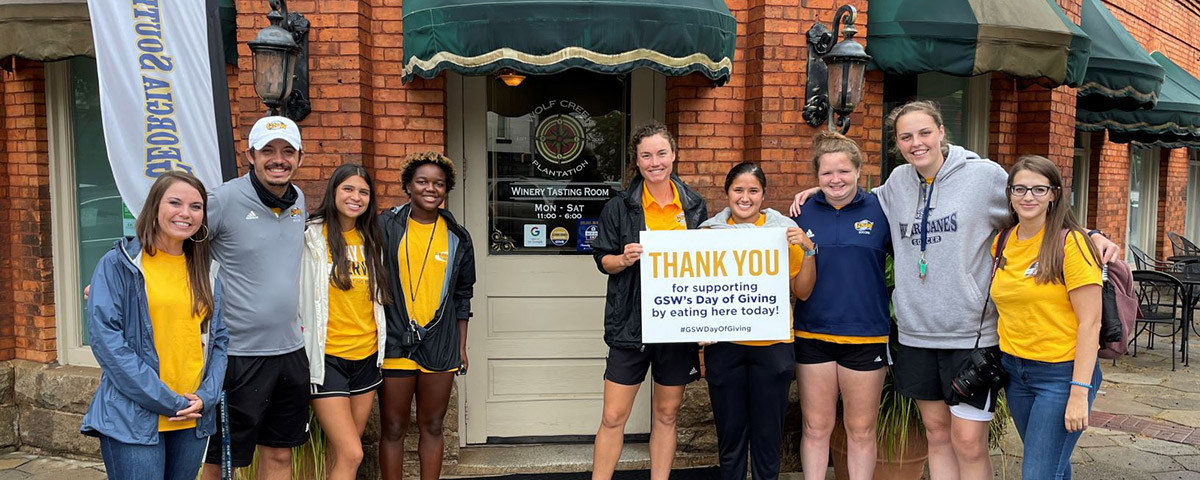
column 341, row 313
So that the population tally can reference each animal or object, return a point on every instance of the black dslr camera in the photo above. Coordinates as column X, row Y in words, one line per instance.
column 411, row 336
column 981, row 372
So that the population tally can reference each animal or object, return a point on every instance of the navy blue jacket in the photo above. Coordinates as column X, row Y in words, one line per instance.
column 850, row 297
column 130, row 396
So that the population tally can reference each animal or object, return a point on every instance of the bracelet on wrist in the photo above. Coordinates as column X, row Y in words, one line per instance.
column 1094, row 231
column 1081, row 384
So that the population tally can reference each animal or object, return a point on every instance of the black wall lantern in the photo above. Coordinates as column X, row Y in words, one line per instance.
column 281, row 63
column 835, row 72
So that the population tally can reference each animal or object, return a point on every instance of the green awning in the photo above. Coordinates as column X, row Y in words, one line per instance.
column 1030, row 39
column 1174, row 121
column 1120, row 74
column 478, row 37
column 45, row 30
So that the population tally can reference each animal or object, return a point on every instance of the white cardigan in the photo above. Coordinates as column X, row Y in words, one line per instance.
column 314, row 303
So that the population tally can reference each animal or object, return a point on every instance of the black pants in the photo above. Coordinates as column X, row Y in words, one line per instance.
column 748, row 387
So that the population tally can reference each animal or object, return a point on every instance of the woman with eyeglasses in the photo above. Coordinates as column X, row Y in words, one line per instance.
column 1047, row 290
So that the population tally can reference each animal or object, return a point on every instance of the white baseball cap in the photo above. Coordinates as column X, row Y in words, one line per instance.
column 270, row 128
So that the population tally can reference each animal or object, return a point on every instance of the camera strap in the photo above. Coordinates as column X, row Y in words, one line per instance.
column 997, row 263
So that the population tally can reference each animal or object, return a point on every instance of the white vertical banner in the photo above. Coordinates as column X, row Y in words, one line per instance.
column 156, row 92
column 726, row 284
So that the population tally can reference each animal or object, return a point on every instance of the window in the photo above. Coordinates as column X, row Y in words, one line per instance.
column 1079, row 174
column 1142, row 220
column 964, row 103
column 88, row 215
column 556, row 154
column 1193, row 196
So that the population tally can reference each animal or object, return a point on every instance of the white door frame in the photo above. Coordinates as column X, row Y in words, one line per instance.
column 466, row 143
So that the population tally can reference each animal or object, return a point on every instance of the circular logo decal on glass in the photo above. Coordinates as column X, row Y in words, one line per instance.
column 560, row 138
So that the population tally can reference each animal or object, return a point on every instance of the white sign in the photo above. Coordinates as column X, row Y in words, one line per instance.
column 535, row 235
column 156, row 92
column 715, row 285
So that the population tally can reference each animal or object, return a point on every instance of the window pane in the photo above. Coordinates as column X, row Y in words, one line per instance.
column 556, row 153
column 1079, row 175
column 102, row 217
column 1143, row 198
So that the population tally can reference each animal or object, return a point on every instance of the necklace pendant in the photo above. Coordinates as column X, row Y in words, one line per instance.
column 921, row 268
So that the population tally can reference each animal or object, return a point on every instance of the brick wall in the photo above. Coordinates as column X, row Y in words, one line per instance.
column 27, row 328
column 361, row 113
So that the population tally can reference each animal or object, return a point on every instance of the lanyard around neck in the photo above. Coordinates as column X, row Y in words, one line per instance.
column 412, row 294
column 922, row 265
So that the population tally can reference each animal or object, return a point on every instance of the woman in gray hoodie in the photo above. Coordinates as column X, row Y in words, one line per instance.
column 944, row 206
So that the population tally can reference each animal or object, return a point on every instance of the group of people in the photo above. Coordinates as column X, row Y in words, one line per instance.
column 980, row 290
column 205, row 299
column 243, row 291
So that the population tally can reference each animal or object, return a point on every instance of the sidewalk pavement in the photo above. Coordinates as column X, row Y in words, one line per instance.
column 1145, row 425
column 26, row 466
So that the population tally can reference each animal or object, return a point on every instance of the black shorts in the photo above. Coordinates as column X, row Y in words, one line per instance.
column 344, row 378
column 673, row 364
column 268, row 405
column 862, row 357
column 926, row 373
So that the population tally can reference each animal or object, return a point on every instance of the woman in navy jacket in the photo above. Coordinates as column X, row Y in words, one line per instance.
column 157, row 334
column 842, row 328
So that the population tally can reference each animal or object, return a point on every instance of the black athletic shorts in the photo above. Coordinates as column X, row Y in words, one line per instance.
column 673, row 364
column 268, row 405
column 863, row 357
column 926, row 373
column 344, row 378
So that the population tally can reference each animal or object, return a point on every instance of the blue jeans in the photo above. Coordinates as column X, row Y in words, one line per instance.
column 176, row 457
column 1037, row 394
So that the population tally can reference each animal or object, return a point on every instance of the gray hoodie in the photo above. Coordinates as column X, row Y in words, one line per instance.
column 774, row 219
column 967, row 207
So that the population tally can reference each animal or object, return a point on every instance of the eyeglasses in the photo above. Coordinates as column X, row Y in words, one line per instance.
column 1037, row 190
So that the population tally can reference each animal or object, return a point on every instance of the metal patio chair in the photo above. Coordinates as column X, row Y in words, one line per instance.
column 1180, row 245
column 1160, row 299
column 1143, row 261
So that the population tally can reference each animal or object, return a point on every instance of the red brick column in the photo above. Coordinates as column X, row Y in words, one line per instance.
column 407, row 118
column 26, row 254
column 1002, row 120
column 8, row 339
column 1108, row 205
column 1172, row 197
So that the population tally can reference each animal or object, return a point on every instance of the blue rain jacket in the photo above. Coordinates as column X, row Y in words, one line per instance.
column 130, row 396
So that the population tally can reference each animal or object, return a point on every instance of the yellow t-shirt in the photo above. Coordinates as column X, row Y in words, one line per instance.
column 1037, row 322
column 843, row 339
column 795, row 260
column 352, row 333
column 422, row 291
column 663, row 217
column 176, row 331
